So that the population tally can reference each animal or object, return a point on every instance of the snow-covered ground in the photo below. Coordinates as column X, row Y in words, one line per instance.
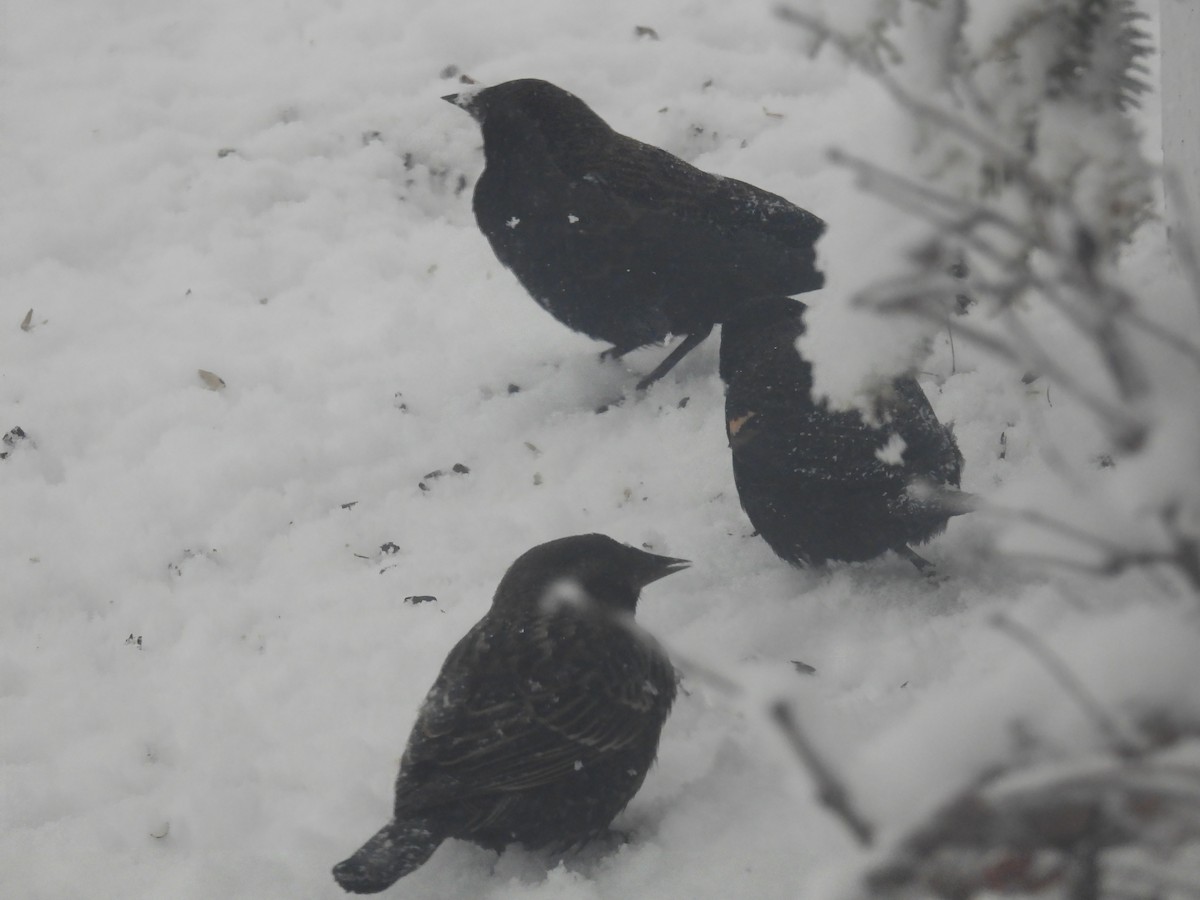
column 208, row 666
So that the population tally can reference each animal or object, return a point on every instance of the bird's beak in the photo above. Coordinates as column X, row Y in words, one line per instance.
column 465, row 100
column 660, row 567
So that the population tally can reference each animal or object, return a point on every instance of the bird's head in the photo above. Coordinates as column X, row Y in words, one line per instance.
column 589, row 568
column 468, row 99
column 558, row 115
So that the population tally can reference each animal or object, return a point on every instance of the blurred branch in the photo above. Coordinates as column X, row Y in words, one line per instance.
column 868, row 59
column 1106, row 568
column 1187, row 544
column 1026, row 831
column 905, row 193
column 1118, row 741
column 1123, row 425
column 1142, row 881
column 1098, row 321
column 1182, row 239
column 824, row 34
column 1182, row 557
column 1098, row 307
column 832, row 793
column 1160, row 333
column 914, row 298
column 1029, row 207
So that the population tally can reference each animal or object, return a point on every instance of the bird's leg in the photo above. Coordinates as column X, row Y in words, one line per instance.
column 924, row 566
column 614, row 838
column 686, row 346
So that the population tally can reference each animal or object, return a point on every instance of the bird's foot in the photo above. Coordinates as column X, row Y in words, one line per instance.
column 924, row 566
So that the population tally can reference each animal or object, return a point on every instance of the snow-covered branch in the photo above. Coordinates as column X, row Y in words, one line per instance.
column 1039, row 217
column 1027, row 175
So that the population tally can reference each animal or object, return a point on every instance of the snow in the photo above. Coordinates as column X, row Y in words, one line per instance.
column 892, row 452
column 208, row 670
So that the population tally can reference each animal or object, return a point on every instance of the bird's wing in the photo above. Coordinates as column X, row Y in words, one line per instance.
column 774, row 426
column 653, row 180
column 787, row 429
column 502, row 718
column 930, row 448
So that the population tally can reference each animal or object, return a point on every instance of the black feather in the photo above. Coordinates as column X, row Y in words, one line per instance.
column 810, row 477
column 544, row 720
column 621, row 240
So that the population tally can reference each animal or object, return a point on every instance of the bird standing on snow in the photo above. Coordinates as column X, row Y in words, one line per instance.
column 545, row 717
column 621, row 240
column 821, row 484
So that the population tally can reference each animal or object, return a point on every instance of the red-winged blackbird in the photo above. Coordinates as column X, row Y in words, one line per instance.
column 545, row 717
column 621, row 240
column 812, row 479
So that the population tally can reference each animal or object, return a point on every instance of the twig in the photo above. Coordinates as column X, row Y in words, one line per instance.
column 824, row 33
column 1121, row 745
column 1187, row 547
column 830, row 790
column 953, row 124
column 1067, row 809
column 1183, row 558
column 965, row 88
column 1124, row 427
column 893, row 186
column 1161, row 880
column 1046, row 441
column 1044, row 520
column 1181, row 239
column 1122, row 364
column 931, row 295
column 916, row 198
column 1073, row 278
column 1176, row 342
column 1084, row 872
column 908, row 305
column 1015, row 163
column 1108, row 568
column 1093, row 318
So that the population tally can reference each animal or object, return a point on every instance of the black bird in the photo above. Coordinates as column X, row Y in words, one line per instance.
column 811, row 478
column 621, row 240
column 545, row 717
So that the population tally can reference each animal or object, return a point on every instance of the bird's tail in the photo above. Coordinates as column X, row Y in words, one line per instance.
column 946, row 500
column 396, row 849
